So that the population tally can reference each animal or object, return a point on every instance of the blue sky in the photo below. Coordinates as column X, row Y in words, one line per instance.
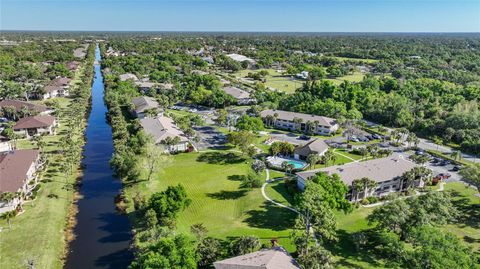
column 246, row 15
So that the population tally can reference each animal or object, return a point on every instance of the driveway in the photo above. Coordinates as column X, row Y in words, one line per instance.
column 289, row 137
column 210, row 138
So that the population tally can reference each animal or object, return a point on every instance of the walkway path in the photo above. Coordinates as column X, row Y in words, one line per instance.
column 268, row 180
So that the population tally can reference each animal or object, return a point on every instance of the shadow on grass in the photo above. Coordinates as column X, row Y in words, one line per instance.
column 345, row 249
column 236, row 177
column 220, row 158
column 271, row 217
column 469, row 212
column 228, row 195
column 280, row 188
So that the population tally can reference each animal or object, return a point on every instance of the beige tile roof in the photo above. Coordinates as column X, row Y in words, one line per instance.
column 275, row 258
column 379, row 170
column 161, row 128
column 287, row 115
column 14, row 166
column 317, row 146
column 236, row 92
column 143, row 103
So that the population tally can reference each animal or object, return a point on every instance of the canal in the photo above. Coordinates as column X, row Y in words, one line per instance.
column 102, row 235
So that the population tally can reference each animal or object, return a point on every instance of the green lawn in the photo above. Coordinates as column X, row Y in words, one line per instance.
column 275, row 80
column 212, row 181
column 466, row 228
column 356, row 59
column 39, row 232
column 355, row 77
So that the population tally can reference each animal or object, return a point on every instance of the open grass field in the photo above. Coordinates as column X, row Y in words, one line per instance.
column 355, row 77
column 356, row 59
column 212, row 181
column 275, row 80
column 38, row 233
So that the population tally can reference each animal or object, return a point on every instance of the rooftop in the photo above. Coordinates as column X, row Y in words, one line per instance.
column 19, row 105
column 236, row 92
column 128, row 76
column 161, row 128
column 38, row 121
column 379, row 170
column 287, row 115
column 14, row 166
column 143, row 103
column 274, row 258
column 316, row 146
column 240, row 58
column 60, row 81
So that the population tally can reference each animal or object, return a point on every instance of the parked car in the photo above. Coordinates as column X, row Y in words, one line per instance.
column 444, row 163
column 419, row 152
column 376, row 136
column 456, row 168
column 304, row 137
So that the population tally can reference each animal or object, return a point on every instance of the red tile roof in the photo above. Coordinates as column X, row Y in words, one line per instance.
column 18, row 105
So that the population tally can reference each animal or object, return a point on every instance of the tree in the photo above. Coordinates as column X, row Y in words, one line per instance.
column 170, row 252
column 208, row 251
column 437, row 249
column 221, row 118
column 169, row 142
column 167, row 204
column 199, row 230
column 151, row 218
column 243, row 245
column 456, row 155
column 252, row 180
column 241, row 139
column 258, row 166
column 312, row 160
column 9, row 216
column 315, row 258
column 153, row 156
column 247, row 123
column 472, row 173
column 363, row 185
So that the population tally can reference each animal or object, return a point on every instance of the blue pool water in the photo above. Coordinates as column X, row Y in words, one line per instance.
column 296, row 164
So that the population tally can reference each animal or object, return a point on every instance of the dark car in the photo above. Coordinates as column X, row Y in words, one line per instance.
column 444, row 163
column 376, row 136
column 304, row 137
column 456, row 168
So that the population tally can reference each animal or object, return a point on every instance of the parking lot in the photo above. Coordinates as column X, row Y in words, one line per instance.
column 209, row 138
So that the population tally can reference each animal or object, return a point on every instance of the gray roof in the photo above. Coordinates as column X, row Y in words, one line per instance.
column 18, row 105
column 287, row 115
column 317, row 146
column 128, row 76
column 14, row 166
column 237, row 93
column 379, row 170
column 161, row 128
column 274, row 258
column 145, row 84
column 143, row 103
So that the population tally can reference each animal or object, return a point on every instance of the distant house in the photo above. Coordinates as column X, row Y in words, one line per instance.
column 302, row 75
column 143, row 104
column 242, row 97
column 18, row 175
column 145, row 86
column 294, row 121
column 208, row 59
column 165, row 86
column 5, row 144
column 386, row 172
column 128, row 76
column 31, row 126
column 73, row 65
column 58, row 87
column 163, row 129
column 81, row 52
column 274, row 258
column 19, row 105
column 317, row 146
column 241, row 58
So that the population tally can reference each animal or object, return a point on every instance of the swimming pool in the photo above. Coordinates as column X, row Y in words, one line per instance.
column 278, row 161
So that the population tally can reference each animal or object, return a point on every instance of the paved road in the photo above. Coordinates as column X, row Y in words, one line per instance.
column 427, row 144
column 210, row 138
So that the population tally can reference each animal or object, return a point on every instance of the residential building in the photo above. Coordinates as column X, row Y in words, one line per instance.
column 144, row 86
column 20, row 106
column 243, row 97
column 5, row 144
column 58, row 87
column 161, row 129
column 294, row 121
column 73, row 65
column 302, row 75
column 386, row 172
column 208, row 59
column 18, row 174
column 274, row 258
column 317, row 146
column 144, row 104
column 128, row 76
column 34, row 125
column 241, row 58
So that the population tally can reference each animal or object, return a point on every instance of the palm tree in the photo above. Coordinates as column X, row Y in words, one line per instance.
column 8, row 216
column 312, row 159
column 298, row 124
column 456, row 155
column 327, row 157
